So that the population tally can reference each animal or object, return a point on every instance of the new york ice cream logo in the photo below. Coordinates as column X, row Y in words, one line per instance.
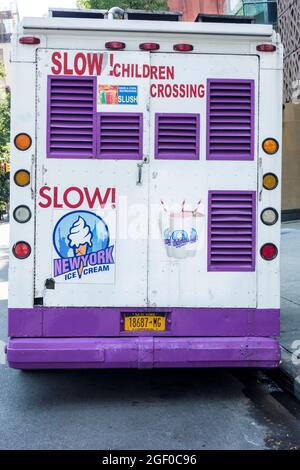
column 82, row 241
column 180, row 238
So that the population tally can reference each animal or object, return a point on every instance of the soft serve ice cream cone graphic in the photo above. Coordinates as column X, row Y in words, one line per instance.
column 80, row 238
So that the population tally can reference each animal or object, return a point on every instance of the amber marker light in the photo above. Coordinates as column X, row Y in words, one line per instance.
column 270, row 146
column 22, row 178
column 270, row 181
column 23, row 142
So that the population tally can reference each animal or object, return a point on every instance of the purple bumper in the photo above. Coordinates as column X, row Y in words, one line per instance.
column 142, row 352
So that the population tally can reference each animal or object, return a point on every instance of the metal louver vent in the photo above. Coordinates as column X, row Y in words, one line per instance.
column 231, row 231
column 177, row 136
column 71, row 117
column 120, row 136
column 230, row 119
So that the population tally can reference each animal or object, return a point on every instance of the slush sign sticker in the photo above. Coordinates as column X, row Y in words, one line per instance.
column 82, row 241
column 117, row 95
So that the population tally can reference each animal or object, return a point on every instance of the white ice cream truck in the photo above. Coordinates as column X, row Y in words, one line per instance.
column 145, row 192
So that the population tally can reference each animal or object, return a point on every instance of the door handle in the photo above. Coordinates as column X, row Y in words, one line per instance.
column 140, row 172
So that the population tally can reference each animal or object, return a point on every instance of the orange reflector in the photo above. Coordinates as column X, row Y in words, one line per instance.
column 22, row 178
column 270, row 146
column 270, row 181
column 23, row 142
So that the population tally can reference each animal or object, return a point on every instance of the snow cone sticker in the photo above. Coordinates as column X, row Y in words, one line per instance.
column 82, row 241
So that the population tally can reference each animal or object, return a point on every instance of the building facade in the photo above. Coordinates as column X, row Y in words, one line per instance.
column 9, row 17
column 264, row 11
column 289, row 29
column 191, row 8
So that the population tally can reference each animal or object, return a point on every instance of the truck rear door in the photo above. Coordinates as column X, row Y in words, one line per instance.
column 203, row 181
column 92, row 133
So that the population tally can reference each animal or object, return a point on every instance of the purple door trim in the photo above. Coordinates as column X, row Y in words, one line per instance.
column 142, row 353
column 107, row 322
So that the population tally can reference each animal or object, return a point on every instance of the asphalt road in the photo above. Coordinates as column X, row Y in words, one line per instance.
column 124, row 410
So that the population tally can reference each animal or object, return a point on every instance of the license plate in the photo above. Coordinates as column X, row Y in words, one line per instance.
column 145, row 322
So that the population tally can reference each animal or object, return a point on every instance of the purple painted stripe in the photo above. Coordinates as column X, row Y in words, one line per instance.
column 143, row 353
column 106, row 322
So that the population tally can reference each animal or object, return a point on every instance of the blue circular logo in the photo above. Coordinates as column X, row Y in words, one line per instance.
column 80, row 231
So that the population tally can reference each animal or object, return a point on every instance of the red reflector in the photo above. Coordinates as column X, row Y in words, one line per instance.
column 22, row 250
column 29, row 40
column 183, row 47
column 269, row 251
column 149, row 46
column 266, row 48
column 115, row 45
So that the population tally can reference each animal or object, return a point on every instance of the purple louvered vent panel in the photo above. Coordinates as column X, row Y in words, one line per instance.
column 71, row 117
column 120, row 136
column 230, row 120
column 231, row 231
column 177, row 136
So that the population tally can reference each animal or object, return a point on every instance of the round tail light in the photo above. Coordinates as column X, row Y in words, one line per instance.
column 22, row 178
column 22, row 250
column 269, row 252
column 270, row 181
column 270, row 146
column 23, row 142
column 269, row 216
column 22, row 214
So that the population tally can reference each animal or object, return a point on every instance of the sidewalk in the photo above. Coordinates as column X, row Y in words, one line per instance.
column 290, row 304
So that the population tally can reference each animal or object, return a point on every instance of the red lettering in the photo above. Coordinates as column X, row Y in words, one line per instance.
column 170, row 73
column 45, row 196
column 96, row 197
column 162, row 72
column 113, row 197
column 160, row 91
column 68, row 203
column 201, row 91
column 154, row 72
column 56, row 205
column 146, row 71
column 57, row 69
column 116, row 70
column 95, row 62
column 182, row 91
column 175, row 91
column 80, row 68
column 67, row 71
column 168, row 91
column 153, row 91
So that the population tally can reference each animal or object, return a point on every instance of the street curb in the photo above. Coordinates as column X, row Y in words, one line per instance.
column 289, row 373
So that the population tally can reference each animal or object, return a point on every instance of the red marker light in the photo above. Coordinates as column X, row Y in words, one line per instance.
column 115, row 45
column 149, row 46
column 22, row 250
column 183, row 47
column 30, row 40
column 269, row 252
column 266, row 48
